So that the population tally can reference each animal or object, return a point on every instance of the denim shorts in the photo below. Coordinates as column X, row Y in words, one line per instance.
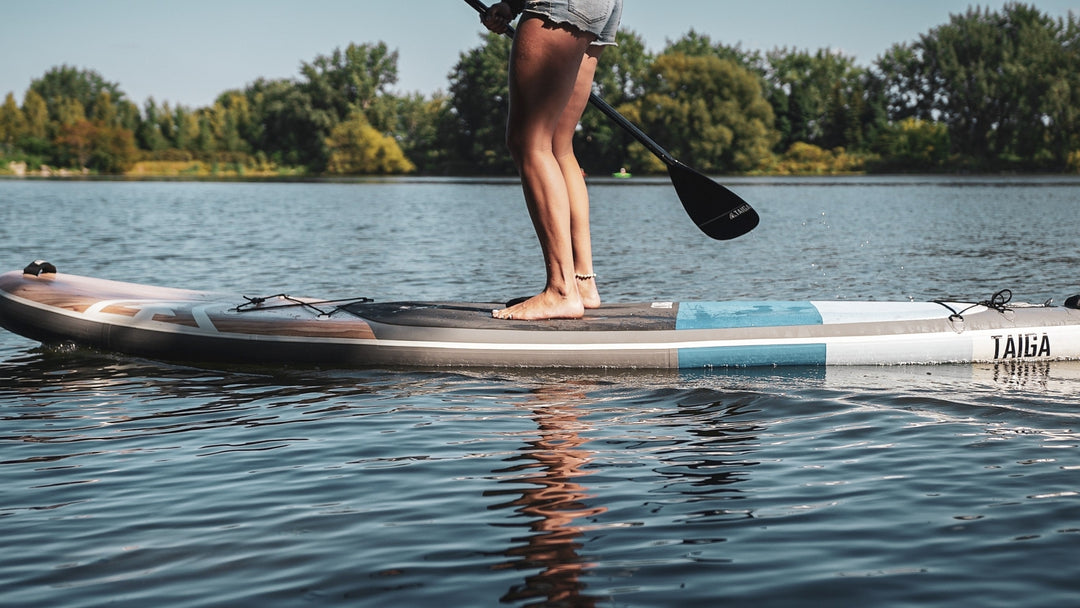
column 597, row 17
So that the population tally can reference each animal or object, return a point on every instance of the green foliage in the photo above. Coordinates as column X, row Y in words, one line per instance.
column 710, row 110
column 114, row 150
column 60, row 86
column 69, row 111
column 420, row 127
column 1072, row 165
column 914, row 145
column 356, row 148
column 807, row 159
column 293, row 130
column 186, row 129
column 479, row 99
column 700, row 45
column 12, row 122
column 75, row 142
column 350, row 80
column 1004, row 83
column 37, row 115
column 988, row 90
column 815, row 97
column 623, row 69
column 232, row 122
column 104, row 111
column 97, row 145
column 150, row 135
column 621, row 75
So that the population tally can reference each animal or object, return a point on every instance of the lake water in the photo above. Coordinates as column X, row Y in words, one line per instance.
column 131, row 482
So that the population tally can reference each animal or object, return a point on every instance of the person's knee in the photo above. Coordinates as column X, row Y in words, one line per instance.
column 512, row 141
column 515, row 143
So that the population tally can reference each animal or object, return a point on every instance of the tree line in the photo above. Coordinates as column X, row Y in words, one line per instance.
column 991, row 90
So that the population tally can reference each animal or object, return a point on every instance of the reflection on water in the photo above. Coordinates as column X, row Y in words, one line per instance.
column 696, row 452
column 1019, row 374
column 555, row 501
column 723, row 436
column 537, row 489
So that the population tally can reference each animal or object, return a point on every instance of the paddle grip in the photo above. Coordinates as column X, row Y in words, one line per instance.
column 483, row 9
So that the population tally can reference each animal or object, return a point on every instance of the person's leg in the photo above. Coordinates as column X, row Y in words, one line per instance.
column 544, row 67
column 563, row 147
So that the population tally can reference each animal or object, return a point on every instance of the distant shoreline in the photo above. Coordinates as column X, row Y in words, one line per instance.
column 72, row 175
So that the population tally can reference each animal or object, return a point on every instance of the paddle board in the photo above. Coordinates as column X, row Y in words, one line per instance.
column 196, row 326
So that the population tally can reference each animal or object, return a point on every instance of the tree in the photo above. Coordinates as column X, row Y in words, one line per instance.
column 242, row 116
column 350, row 80
column 69, row 111
column 231, row 119
column 96, row 145
column 167, row 126
column 76, row 141
column 292, row 130
column 149, row 134
column 816, row 97
column 12, row 122
column 205, row 143
column 37, row 115
column 855, row 112
column 914, row 145
column 623, row 69
column 128, row 115
column 701, row 45
column 35, row 141
column 710, row 110
column 114, row 149
column 479, row 100
column 421, row 126
column 103, row 109
column 1061, row 100
column 356, row 148
column 1000, row 81
column 185, row 128
column 68, row 83
column 620, row 79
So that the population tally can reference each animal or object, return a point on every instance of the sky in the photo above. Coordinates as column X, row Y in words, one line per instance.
column 189, row 51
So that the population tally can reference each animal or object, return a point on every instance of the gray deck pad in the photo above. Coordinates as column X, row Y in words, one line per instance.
column 472, row 315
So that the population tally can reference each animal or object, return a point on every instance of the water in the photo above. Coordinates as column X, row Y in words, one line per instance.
column 132, row 482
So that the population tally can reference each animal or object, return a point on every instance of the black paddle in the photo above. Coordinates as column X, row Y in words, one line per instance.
column 717, row 211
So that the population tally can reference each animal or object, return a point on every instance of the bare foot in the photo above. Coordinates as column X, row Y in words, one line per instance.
column 586, row 285
column 545, row 305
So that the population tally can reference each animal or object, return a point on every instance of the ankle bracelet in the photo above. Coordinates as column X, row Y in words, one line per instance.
column 584, row 277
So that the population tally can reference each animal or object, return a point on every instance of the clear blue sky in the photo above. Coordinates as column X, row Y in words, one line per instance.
column 187, row 52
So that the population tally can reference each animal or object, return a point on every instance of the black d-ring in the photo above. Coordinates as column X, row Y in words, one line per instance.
column 39, row 267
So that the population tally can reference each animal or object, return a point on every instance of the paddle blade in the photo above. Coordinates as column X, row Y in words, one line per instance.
column 717, row 211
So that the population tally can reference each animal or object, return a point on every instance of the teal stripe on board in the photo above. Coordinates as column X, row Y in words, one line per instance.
column 720, row 315
column 752, row 356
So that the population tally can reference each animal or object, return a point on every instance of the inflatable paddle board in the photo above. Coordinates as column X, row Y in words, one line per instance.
column 195, row 326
